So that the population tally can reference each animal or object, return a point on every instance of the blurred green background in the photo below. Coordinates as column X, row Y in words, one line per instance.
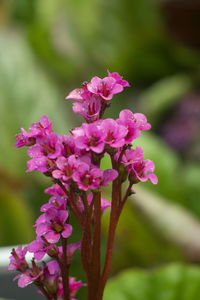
column 48, row 48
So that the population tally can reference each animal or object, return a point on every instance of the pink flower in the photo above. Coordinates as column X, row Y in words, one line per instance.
column 45, row 153
column 42, row 128
column 58, row 202
column 77, row 94
column 74, row 286
column 114, row 132
column 40, row 247
column 138, row 119
column 108, row 176
column 69, row 146
column 105, row 88
column 80, row 94
column 90, row 138
column 65, row 168
column 50, row 147
column 18, row 260
column 87, row 177
column 140, row 170
column 26, row 278
column 29, row 276
column 104, row 203
column 89, row 109
column 119, row 79
column 134, row 123
column 24, row 139
column 51, row 273
column 55, row 190
column 41, row 164
column 71, row 248
column 37, row 130
column 52, row 225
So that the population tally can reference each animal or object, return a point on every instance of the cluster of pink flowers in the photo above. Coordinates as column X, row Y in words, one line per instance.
column 73, row 163
column 46, row 276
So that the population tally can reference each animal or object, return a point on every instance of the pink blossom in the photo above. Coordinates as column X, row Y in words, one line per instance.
column 69, row 146
column 42, row 128
column 91, row 138
column 44, row 154
column 24, row 139
column 53, row 224
column 105, row 88
column 88, row 105
column 119, row 79
column 40, row 247
column 65, row 168
column 115, row 133
column 80, row 94
column 89, row 109
column 37, row 130
column 140, row 170
column 74, row 286
column 134, row 123
column 55, row 190
column 87, row 177
column 51, row 273
column 76, row 94
column 58, row 202
column 104, row 203
column 18, row 259
column 50, row 147
column 26, row 278
column 29, row 276
column 108, row 176
column 41, row 164
column 71, row 248
column 138, row 120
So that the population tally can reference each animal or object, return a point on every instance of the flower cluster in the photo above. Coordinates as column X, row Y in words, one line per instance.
column 73, row 162
column 46, row 277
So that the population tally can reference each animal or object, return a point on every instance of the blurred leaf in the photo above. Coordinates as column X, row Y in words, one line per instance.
column 172, row 282
column 26, row 93
column 162, row 95
column 75, row 34
column 191, row 175
column 170, row 223
column 16, row 220
column 134, row 232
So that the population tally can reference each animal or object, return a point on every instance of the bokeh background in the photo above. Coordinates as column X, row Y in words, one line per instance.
column 48, row 48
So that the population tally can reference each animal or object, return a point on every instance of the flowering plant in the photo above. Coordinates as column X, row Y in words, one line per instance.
column 73, row 163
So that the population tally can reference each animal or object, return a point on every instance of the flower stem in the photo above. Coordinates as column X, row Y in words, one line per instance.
column 111, row 234
column 96, row 249
column 65, row 270
column 72, row 203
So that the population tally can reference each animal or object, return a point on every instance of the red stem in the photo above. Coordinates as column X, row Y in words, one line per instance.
column 86, row 239
column 72, row 203
column 111, row 234
column 96, row 249
column 65, row 270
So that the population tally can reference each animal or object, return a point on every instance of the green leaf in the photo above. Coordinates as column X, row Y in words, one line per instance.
column 172, row 282
column 160, row 97
column 16, row 219
column 26, row 94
